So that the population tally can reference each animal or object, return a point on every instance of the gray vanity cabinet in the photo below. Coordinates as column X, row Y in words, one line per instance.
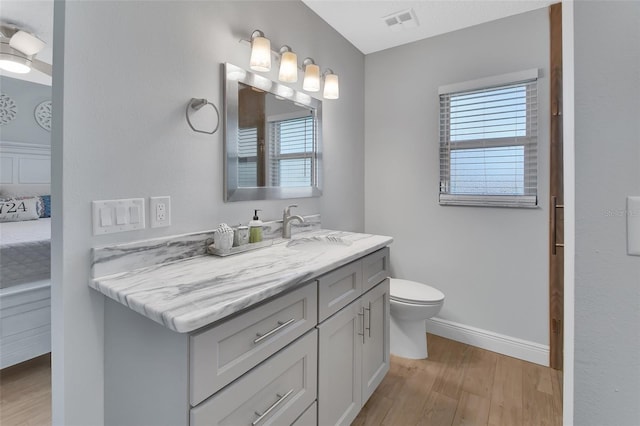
column 258, row 366
column 309, row 356
column 353, row 345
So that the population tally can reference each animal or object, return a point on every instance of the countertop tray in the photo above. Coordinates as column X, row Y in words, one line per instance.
column 239, row 249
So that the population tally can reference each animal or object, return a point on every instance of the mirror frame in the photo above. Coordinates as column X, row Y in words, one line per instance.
column 232, row 192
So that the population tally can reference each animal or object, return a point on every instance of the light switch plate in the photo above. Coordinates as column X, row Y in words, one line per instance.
column 111, row 216
column 633, row 226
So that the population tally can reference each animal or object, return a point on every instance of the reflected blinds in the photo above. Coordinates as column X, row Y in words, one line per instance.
column 248, row 157
column 488, row 146
column 292, row 150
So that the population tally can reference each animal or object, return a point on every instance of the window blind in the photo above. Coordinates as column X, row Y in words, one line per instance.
column 488, row 146
column 248, row 157
column 292, row 151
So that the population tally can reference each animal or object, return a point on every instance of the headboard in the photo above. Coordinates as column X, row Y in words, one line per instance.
column 25, row 169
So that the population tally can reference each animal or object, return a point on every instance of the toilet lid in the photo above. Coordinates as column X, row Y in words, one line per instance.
column 413, row 292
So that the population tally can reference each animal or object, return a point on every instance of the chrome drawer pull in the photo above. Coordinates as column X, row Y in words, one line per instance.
column 363, row 328
column 369, row 309
column 275, row 404
column 280, row 326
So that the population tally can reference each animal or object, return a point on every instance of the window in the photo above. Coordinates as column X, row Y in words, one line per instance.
column 292, row 151
column 488, row 142
column 248, row 157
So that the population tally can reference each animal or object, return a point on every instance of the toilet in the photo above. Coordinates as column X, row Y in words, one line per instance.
column 412, row 303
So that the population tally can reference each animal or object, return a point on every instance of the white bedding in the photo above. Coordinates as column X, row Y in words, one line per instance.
column 25, row 232
column 25, row 251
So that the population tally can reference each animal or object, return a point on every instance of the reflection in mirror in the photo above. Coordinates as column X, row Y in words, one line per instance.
column 272, row 137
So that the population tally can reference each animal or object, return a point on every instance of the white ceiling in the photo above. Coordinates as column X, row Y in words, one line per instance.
column 359, row 21
column 36, row 17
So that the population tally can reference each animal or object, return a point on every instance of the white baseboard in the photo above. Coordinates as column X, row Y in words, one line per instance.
column 495, row 342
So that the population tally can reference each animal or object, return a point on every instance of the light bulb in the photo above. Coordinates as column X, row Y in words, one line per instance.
column 260, row 53
column 12, row 66
column 311, row 81
column 331, row 87
column 288, row 67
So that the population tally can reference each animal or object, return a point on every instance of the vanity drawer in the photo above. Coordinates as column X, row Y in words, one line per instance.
column 223, row 353
column 375, row 268
column 339, row 288
column 274, row 393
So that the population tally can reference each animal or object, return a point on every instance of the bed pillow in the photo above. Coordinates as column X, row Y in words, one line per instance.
column 46, row 204
column 18, row 209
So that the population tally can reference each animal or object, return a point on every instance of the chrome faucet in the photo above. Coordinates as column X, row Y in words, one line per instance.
column 286, row 221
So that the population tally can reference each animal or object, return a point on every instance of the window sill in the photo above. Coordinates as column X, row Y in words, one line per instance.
column 512, row 201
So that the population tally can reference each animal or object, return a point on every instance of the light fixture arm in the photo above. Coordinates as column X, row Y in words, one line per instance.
column 7, row 32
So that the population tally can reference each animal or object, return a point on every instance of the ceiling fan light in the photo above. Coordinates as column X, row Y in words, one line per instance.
column 15, row 67
column 13, row 61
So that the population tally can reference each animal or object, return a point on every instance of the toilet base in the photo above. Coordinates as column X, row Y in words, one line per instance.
column 409, row 338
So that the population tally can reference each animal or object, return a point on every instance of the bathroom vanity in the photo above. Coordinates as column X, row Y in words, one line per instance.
column 296, row 333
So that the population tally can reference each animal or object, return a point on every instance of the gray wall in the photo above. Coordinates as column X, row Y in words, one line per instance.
column 129, row 70
column 607, row 158
column 27, row 96
column 491, row 263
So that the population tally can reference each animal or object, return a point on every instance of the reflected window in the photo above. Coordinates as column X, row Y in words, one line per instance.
column 292, row 150
column 247, row 156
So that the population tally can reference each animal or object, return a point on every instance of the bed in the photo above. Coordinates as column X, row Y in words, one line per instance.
column 25, row 259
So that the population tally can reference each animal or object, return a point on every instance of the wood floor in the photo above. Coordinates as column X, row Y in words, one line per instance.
column 464, row 385
column 458, row 385
column 25, row 393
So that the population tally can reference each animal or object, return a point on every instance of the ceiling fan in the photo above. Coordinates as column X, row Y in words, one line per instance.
column 18, row 49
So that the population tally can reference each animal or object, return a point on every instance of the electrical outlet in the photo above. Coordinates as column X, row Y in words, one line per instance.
column 160, row 211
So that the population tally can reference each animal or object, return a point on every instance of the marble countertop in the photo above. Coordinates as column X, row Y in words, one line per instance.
column 188, row 294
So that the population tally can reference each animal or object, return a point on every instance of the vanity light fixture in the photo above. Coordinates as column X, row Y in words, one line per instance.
column 260, row 52
column 331, row 86
column 311, row 82
column 261, row 55
column 288, row 65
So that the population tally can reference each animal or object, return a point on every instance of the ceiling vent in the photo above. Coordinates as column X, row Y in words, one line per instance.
column 402, row 20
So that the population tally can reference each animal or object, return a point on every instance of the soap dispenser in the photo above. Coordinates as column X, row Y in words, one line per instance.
column 255, row 228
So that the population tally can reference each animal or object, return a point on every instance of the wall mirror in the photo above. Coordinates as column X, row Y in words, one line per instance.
column 273, row 136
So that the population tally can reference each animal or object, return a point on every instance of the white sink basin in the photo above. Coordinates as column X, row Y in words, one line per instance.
column 318, row 243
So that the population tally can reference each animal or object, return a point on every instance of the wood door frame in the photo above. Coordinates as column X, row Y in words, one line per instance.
column 556, row 186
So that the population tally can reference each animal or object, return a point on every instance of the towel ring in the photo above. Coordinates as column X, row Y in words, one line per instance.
column 196, row 104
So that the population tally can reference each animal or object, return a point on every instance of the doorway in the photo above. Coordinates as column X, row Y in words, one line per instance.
column 556, row 208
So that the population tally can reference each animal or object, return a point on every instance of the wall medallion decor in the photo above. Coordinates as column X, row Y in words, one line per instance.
column 43, row 115
column 8, row 110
